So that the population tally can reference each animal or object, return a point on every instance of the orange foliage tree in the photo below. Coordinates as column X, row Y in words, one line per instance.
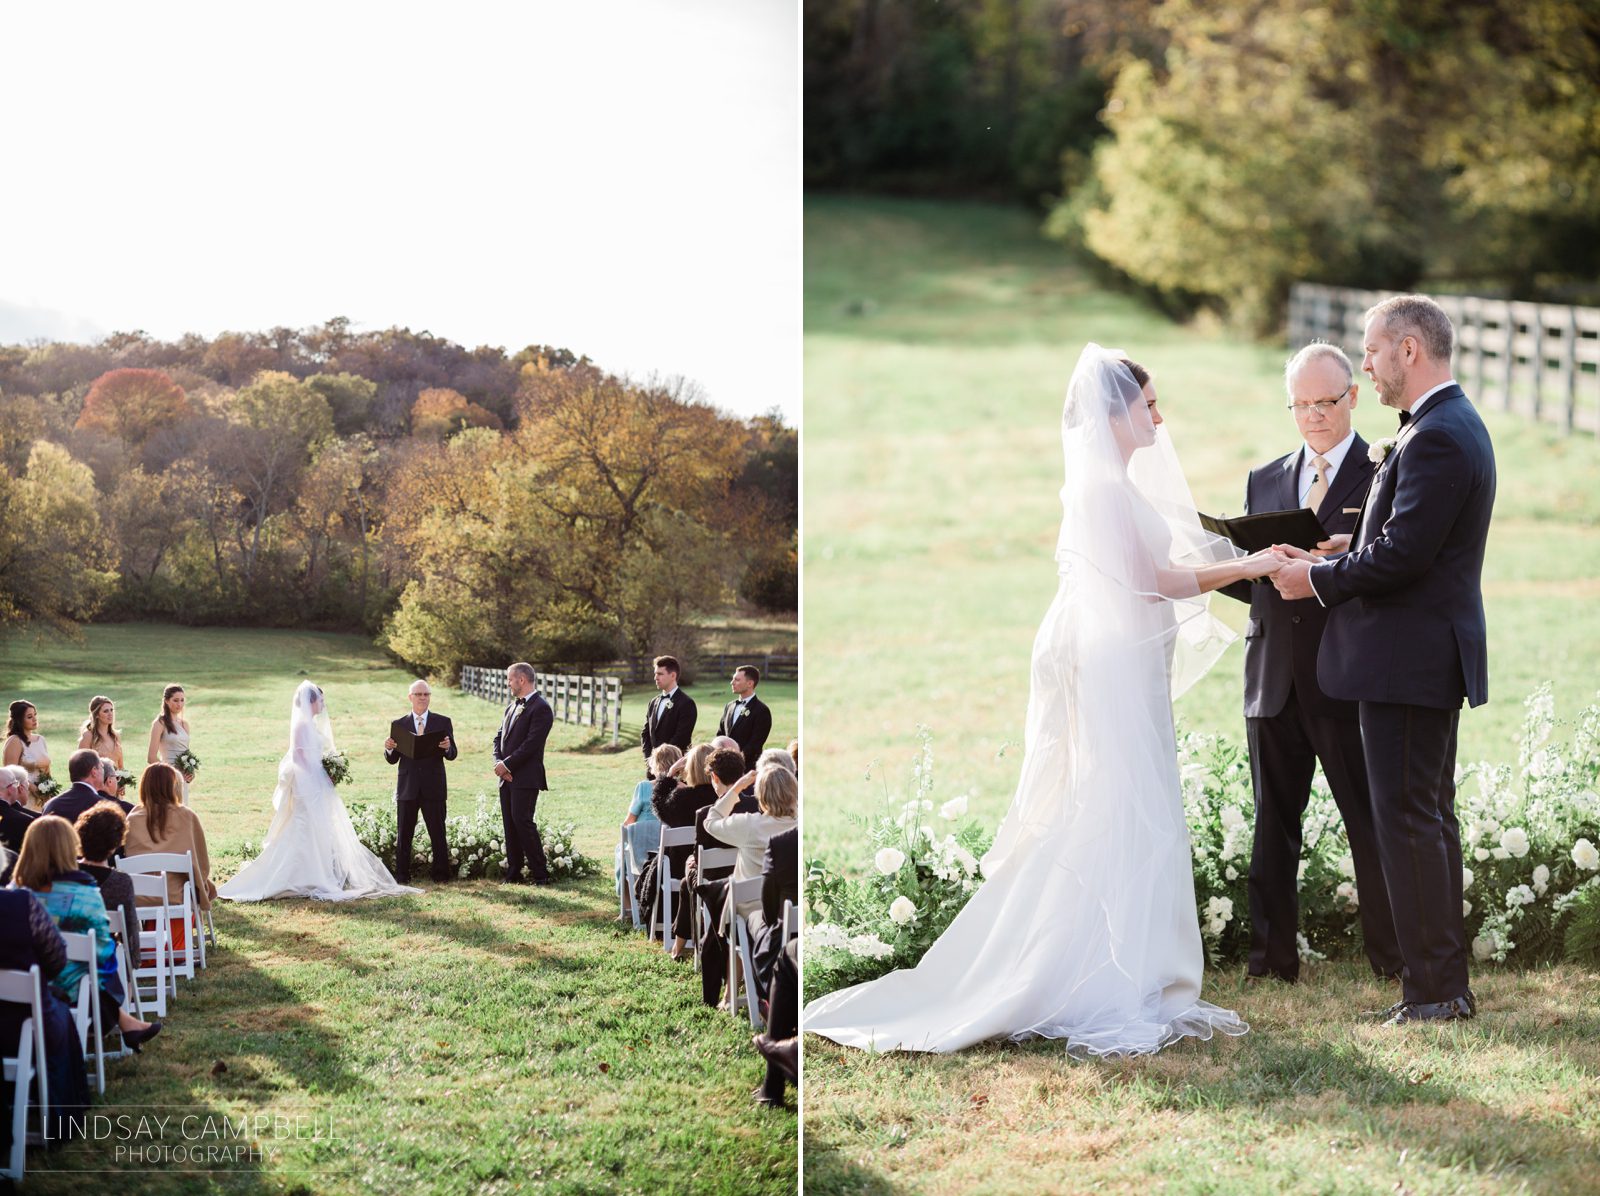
column 134, row 404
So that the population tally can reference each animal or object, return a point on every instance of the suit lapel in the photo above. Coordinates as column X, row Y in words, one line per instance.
column 1289, row 482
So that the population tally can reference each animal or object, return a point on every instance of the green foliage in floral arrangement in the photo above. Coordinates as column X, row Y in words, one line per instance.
column 925, row 865
column 1531, row 880
column 476, row 842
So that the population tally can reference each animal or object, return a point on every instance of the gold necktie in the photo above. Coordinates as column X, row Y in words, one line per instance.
column 1319, row 483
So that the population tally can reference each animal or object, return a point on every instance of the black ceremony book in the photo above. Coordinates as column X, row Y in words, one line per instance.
column 1299, row 527
column 419, row 747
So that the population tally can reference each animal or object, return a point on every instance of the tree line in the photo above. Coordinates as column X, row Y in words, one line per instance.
column 458, row 504
column 1213, row 154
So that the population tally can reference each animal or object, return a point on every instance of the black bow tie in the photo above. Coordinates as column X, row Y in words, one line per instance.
column 522, row 701
column 1405, row 418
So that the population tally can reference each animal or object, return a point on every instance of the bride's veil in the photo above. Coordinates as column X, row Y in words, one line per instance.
column 310, row 735
column 1129, row 629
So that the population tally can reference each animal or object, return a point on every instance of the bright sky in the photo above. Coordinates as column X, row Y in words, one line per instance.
column 617, row 177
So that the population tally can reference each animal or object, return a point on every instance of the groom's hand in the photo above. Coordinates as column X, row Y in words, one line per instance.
column 1294, row 553
column 1333, row 545
column 1294, row 580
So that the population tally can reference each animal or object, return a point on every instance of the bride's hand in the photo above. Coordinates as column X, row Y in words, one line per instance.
column 1264, row 563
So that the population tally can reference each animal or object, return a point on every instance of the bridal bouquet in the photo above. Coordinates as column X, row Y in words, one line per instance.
column 125, row 781
column 187, row 763
column 337, row 766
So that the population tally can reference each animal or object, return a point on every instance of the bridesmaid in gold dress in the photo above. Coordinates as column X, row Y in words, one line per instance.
column 99, row 731
column 25, row 746
column 169, row 734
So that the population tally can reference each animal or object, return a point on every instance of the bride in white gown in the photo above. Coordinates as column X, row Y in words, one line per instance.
column 311, row 849
column 1085, row 926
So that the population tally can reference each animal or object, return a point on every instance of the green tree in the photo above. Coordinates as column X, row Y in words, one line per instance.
column 56, row 563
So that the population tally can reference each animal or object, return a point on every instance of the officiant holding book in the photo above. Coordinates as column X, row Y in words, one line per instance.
column 1290, row 722
column 420, row 743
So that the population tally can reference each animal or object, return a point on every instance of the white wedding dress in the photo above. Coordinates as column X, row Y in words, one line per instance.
column 311, row 849
column 1085, row 926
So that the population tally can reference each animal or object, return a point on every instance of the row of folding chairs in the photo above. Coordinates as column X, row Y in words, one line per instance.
column 670, row 889
column 148, row 982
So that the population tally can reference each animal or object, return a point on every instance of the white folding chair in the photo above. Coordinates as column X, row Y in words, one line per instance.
column 184, row 912
column 117, row 924
column 668, row 884
column 791, row 922
column 634, row 842
column 740, row 970
column 707, row 857
column 25, row 1069
column 155, row 941
column 82, row 948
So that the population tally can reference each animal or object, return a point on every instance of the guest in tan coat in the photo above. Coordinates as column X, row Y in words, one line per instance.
column 162, row 824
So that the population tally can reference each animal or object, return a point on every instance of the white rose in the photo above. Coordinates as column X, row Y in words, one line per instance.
column 902, row 910
column 1348, row 892
column 1483, row 947
column 1515, row 840
column 1480, row 854
column 1380, row 448
column 889, row 860
column 1232, row 873
column 1541, row 879
column 1500, row 853
column 1347, row 866
column 1220, row 908
column 1466, row 878
column 1231, row 818
column 1519, row 895
column 1585, row 855
column 955, row 808
column 1466, row 908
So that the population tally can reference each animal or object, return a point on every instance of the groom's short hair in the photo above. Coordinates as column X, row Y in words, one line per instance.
column 524, row 670
column 1418, row 316
column 1317, row 351
column 670, row 663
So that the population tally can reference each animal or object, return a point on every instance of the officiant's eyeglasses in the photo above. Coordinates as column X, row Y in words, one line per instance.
column 1325, row 406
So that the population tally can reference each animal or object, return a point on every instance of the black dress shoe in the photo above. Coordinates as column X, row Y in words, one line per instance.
column 1472, row 1004
column 1383, row 1015
column 134, row 1038
column 1454, row 1010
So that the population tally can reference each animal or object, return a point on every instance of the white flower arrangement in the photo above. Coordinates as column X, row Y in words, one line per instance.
column 889, row 860
column 1381, row 448
column 902, row 911
column 337, row 766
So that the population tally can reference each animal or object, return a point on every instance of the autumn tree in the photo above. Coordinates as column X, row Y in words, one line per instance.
column 134, row 404
column 440, row 412
column 56, row 563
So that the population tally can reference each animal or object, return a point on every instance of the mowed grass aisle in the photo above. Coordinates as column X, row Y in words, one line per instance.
column 478, row 1038
column 939, row 339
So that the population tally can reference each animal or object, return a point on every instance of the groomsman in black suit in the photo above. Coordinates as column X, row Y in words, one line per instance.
column 15, row 817
column 746, row 720
column 1407, row 640
column 519, row 763
column 420, row 786
column 670, row 718
column 1290, row 722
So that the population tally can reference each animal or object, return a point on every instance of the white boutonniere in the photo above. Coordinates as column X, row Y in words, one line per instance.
column 666, row 703
column 1381, row 448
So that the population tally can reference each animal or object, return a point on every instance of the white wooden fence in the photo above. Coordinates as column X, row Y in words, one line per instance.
column 582, row 701
column 1539, row 360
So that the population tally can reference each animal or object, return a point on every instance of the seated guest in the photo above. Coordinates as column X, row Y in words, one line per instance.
column 780, row 1045
column 161, row 824
column 643, row 815
column 100, row 833
column 778, row 758
column 727, row 767
column 778, row 796
column 794, row 754
column 676, row 803
column 83, row 769
column 48, row 867
column 15, row 816
column 29, row 937
column 110, row 790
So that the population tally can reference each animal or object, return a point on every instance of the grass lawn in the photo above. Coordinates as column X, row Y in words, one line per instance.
column 479, row 1038
column 939, row 340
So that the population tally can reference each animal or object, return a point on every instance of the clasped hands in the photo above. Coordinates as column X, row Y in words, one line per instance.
column 1290, row 567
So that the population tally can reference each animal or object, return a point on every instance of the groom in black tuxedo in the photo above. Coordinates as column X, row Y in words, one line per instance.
column 420, row 786
column 519, row 763
column 1406, row 637
column 1290, row 722
column 746, row 720
column 671, row 716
